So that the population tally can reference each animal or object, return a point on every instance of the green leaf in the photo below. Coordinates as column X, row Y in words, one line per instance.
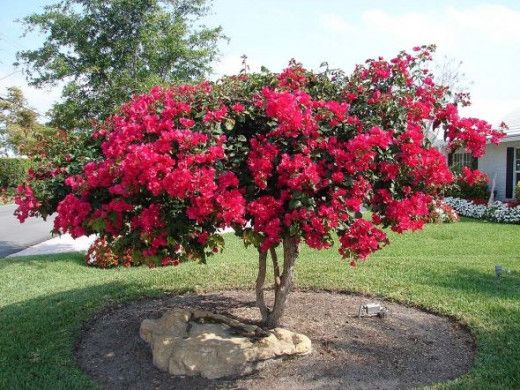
column 295, row 203
column 229, row 124
column 97, row 225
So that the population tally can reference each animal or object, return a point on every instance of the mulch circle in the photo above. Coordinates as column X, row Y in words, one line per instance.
column 407, row 348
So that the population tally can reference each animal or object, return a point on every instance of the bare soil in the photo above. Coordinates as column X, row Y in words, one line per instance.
column 406, row 349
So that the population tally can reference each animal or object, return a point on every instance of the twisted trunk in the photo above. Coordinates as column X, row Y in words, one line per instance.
column 282, row 281
column 260, row 285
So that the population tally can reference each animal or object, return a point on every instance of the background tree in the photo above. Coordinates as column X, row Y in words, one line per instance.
column 449, row 73
column 106, row 50
column 20, row 130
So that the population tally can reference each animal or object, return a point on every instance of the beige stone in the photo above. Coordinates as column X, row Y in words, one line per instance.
column 201, row 343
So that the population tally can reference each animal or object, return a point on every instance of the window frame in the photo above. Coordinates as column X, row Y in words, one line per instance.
column 461, row 159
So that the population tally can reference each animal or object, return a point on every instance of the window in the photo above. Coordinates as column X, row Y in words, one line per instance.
column 517, row 160
column 460, row 160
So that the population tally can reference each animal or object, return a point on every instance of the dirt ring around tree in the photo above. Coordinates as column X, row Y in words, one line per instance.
column 406, row 349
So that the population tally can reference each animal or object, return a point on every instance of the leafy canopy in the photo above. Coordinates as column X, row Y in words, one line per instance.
column 106, row 50
column 295, row 154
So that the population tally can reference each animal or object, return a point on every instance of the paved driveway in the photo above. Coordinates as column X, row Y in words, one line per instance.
column 15, row 236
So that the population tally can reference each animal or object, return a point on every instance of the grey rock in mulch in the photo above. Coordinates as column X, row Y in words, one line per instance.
column 405, row 349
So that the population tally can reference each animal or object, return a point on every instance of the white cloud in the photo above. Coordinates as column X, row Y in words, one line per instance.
column 410, row 28
column 231, row 64
column 450, row 27
column 334, row 23
column 493, row 22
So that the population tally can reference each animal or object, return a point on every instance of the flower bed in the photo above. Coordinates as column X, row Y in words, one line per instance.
column 497, row 212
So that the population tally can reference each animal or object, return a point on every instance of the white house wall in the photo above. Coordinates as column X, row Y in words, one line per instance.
column 495, row 162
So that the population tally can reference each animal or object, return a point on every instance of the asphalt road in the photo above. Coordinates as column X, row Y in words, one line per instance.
column 15, row 236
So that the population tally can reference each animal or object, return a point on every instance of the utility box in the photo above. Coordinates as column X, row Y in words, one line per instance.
column 371, row 310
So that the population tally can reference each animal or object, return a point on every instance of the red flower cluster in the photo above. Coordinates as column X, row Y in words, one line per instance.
column 266, row 212
column 292, row 77
column 408, row 213
column 361, row 239
column 469, row 133
column 150, row 156
column 473, row 176
column 72, row 213
column 27, row 203
column 260, row 161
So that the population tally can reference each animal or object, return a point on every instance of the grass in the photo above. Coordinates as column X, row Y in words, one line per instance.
column 449, row 269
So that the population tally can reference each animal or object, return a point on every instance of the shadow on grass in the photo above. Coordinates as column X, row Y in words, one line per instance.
column 71, row 257
column 37, row 336
column 498, row 353
column 473, row 220
column 473, row 281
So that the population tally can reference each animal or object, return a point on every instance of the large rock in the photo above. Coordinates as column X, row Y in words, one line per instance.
column 196, row 342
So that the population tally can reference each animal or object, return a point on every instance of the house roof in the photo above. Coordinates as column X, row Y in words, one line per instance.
column 512, row 120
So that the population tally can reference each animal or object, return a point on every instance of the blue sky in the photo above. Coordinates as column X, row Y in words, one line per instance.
column 484, row 35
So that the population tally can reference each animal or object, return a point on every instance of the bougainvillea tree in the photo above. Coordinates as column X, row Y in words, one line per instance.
column 281, row 158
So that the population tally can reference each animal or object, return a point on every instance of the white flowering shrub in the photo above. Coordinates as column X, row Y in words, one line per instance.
column 441, row 212
column 497, row 212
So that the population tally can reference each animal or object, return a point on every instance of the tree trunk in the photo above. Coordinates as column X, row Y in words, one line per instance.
column 282, row 282
column 276, row 268
column 260, row 286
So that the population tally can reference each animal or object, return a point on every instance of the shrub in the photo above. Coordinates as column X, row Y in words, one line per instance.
column 496, row 212
column 57, row 157
column 441, row 212
column 102, row 254
column 470, row 184
column 6, row 195
column 517, row 191
column 13, row 171
column 281, row 158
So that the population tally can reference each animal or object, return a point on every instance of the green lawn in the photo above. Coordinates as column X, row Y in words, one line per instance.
column 446, row 268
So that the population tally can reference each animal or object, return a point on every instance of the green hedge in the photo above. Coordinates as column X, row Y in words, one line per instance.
column 463, row 190
column 13, row 171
